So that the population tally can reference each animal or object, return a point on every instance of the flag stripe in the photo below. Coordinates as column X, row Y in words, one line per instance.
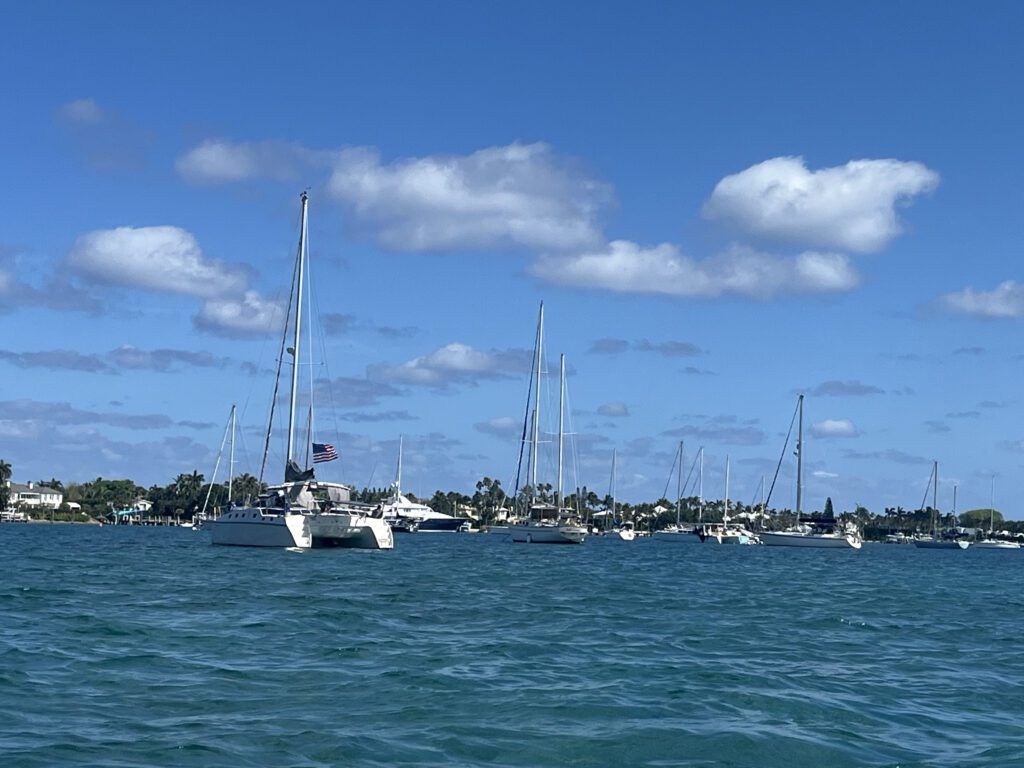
column 323, row 452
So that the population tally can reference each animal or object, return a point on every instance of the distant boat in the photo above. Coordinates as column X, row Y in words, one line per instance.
column 809, row 532
column 724, row 533
column 410, row 516
column 547, row 523
column 935, row 541
column 302, row 512
column 676, row 532
column 625, row 530
column 990, row 542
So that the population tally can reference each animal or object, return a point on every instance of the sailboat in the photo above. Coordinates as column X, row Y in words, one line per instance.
column 624, row 530
column 935, row 541
column 989, row 542
column 301, row 512
column 204, row 518
column 724, row 533
column 809, row 532
column 547, row 523
column 406, row 515
column 677, row 532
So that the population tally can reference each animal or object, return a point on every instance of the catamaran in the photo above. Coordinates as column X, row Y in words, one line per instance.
column 808, row 532
column 935, row 541
column 302, row 512
column 547, row 523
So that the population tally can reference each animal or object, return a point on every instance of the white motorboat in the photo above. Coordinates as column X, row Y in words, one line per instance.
column 626, row 531
column 400, row 511
column 809, row 532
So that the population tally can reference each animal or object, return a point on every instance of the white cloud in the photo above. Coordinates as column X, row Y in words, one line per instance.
column 849, row 207
column 627, row 267
column 219, row 161
column 1006, row 300
column 825, row 475
column 613, row 409
column 504, row 427
column 834, row 428
column 83, row 111
column 250, row 315
column 520, row 195
column 165, row 258
column 455, row 362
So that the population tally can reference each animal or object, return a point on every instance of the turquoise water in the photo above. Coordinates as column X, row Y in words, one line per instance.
column 149, row 647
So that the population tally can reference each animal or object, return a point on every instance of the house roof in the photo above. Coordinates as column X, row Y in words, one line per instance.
column 22, row 488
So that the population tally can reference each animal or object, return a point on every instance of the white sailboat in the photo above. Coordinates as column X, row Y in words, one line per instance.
column 547, row 523
column 808, row 533
column 202, row 519
column 302, row 512
column 677, row 532
column 724, row 533
column 624, row 530
column 989, row 542
column 935, row 541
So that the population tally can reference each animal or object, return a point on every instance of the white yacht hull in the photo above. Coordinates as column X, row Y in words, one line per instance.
column 994, row 544
column 726, row 538
column 548, row 534
column 678, row 537
column 625, row 535
column 940, row 544
column 349, row 530
column 254, row 528
column 818, row 540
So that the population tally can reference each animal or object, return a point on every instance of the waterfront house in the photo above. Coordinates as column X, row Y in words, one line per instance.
column 32, row 495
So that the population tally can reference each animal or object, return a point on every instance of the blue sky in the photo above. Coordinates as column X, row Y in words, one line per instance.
column 721, row 205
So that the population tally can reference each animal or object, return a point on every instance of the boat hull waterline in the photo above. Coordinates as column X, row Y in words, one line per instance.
column 548, row 534
column 817, row 540
column 254, row 528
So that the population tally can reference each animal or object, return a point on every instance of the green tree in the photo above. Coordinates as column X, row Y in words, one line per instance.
column 980, row 518
column 5, row 476
column 829, row 513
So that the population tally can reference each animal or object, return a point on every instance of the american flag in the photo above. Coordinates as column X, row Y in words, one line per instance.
column 323, row 452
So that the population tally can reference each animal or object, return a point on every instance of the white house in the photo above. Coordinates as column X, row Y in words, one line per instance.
column 33, row 495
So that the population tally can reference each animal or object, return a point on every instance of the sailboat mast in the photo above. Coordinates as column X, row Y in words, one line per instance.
column 725, row 512
column 561, row 417
column 700, row 488
column 992, row 508
column 398, row 472
column 536, row 403
column 613, row 485
column 298, row 328
column 231, row 460
column 800, row 460
column 935, row 502
column 679, row 484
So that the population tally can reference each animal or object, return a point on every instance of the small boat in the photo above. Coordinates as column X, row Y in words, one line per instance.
column 624, row 530
column 809, row 532
column 676, row 532
column 936, row 541
column 724, row 532
column 990, row 542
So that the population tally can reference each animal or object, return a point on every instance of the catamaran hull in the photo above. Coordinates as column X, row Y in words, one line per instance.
column 940, row 544
column 332, row 529
column 548, row 534
column 678, row 537
column 819, row 541
column 251, row 529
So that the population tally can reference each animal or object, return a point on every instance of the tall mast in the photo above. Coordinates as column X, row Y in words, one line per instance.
column 935, row 503
column 298, row 328
column 398, row 472
column 536, row 403
column 679, row 484
column 231, row 462
column 700, row 488
column 800, row 460
column 613, row 485
column 725, row 512
column 561, row 416
column 954, row 500
column 992, row 508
